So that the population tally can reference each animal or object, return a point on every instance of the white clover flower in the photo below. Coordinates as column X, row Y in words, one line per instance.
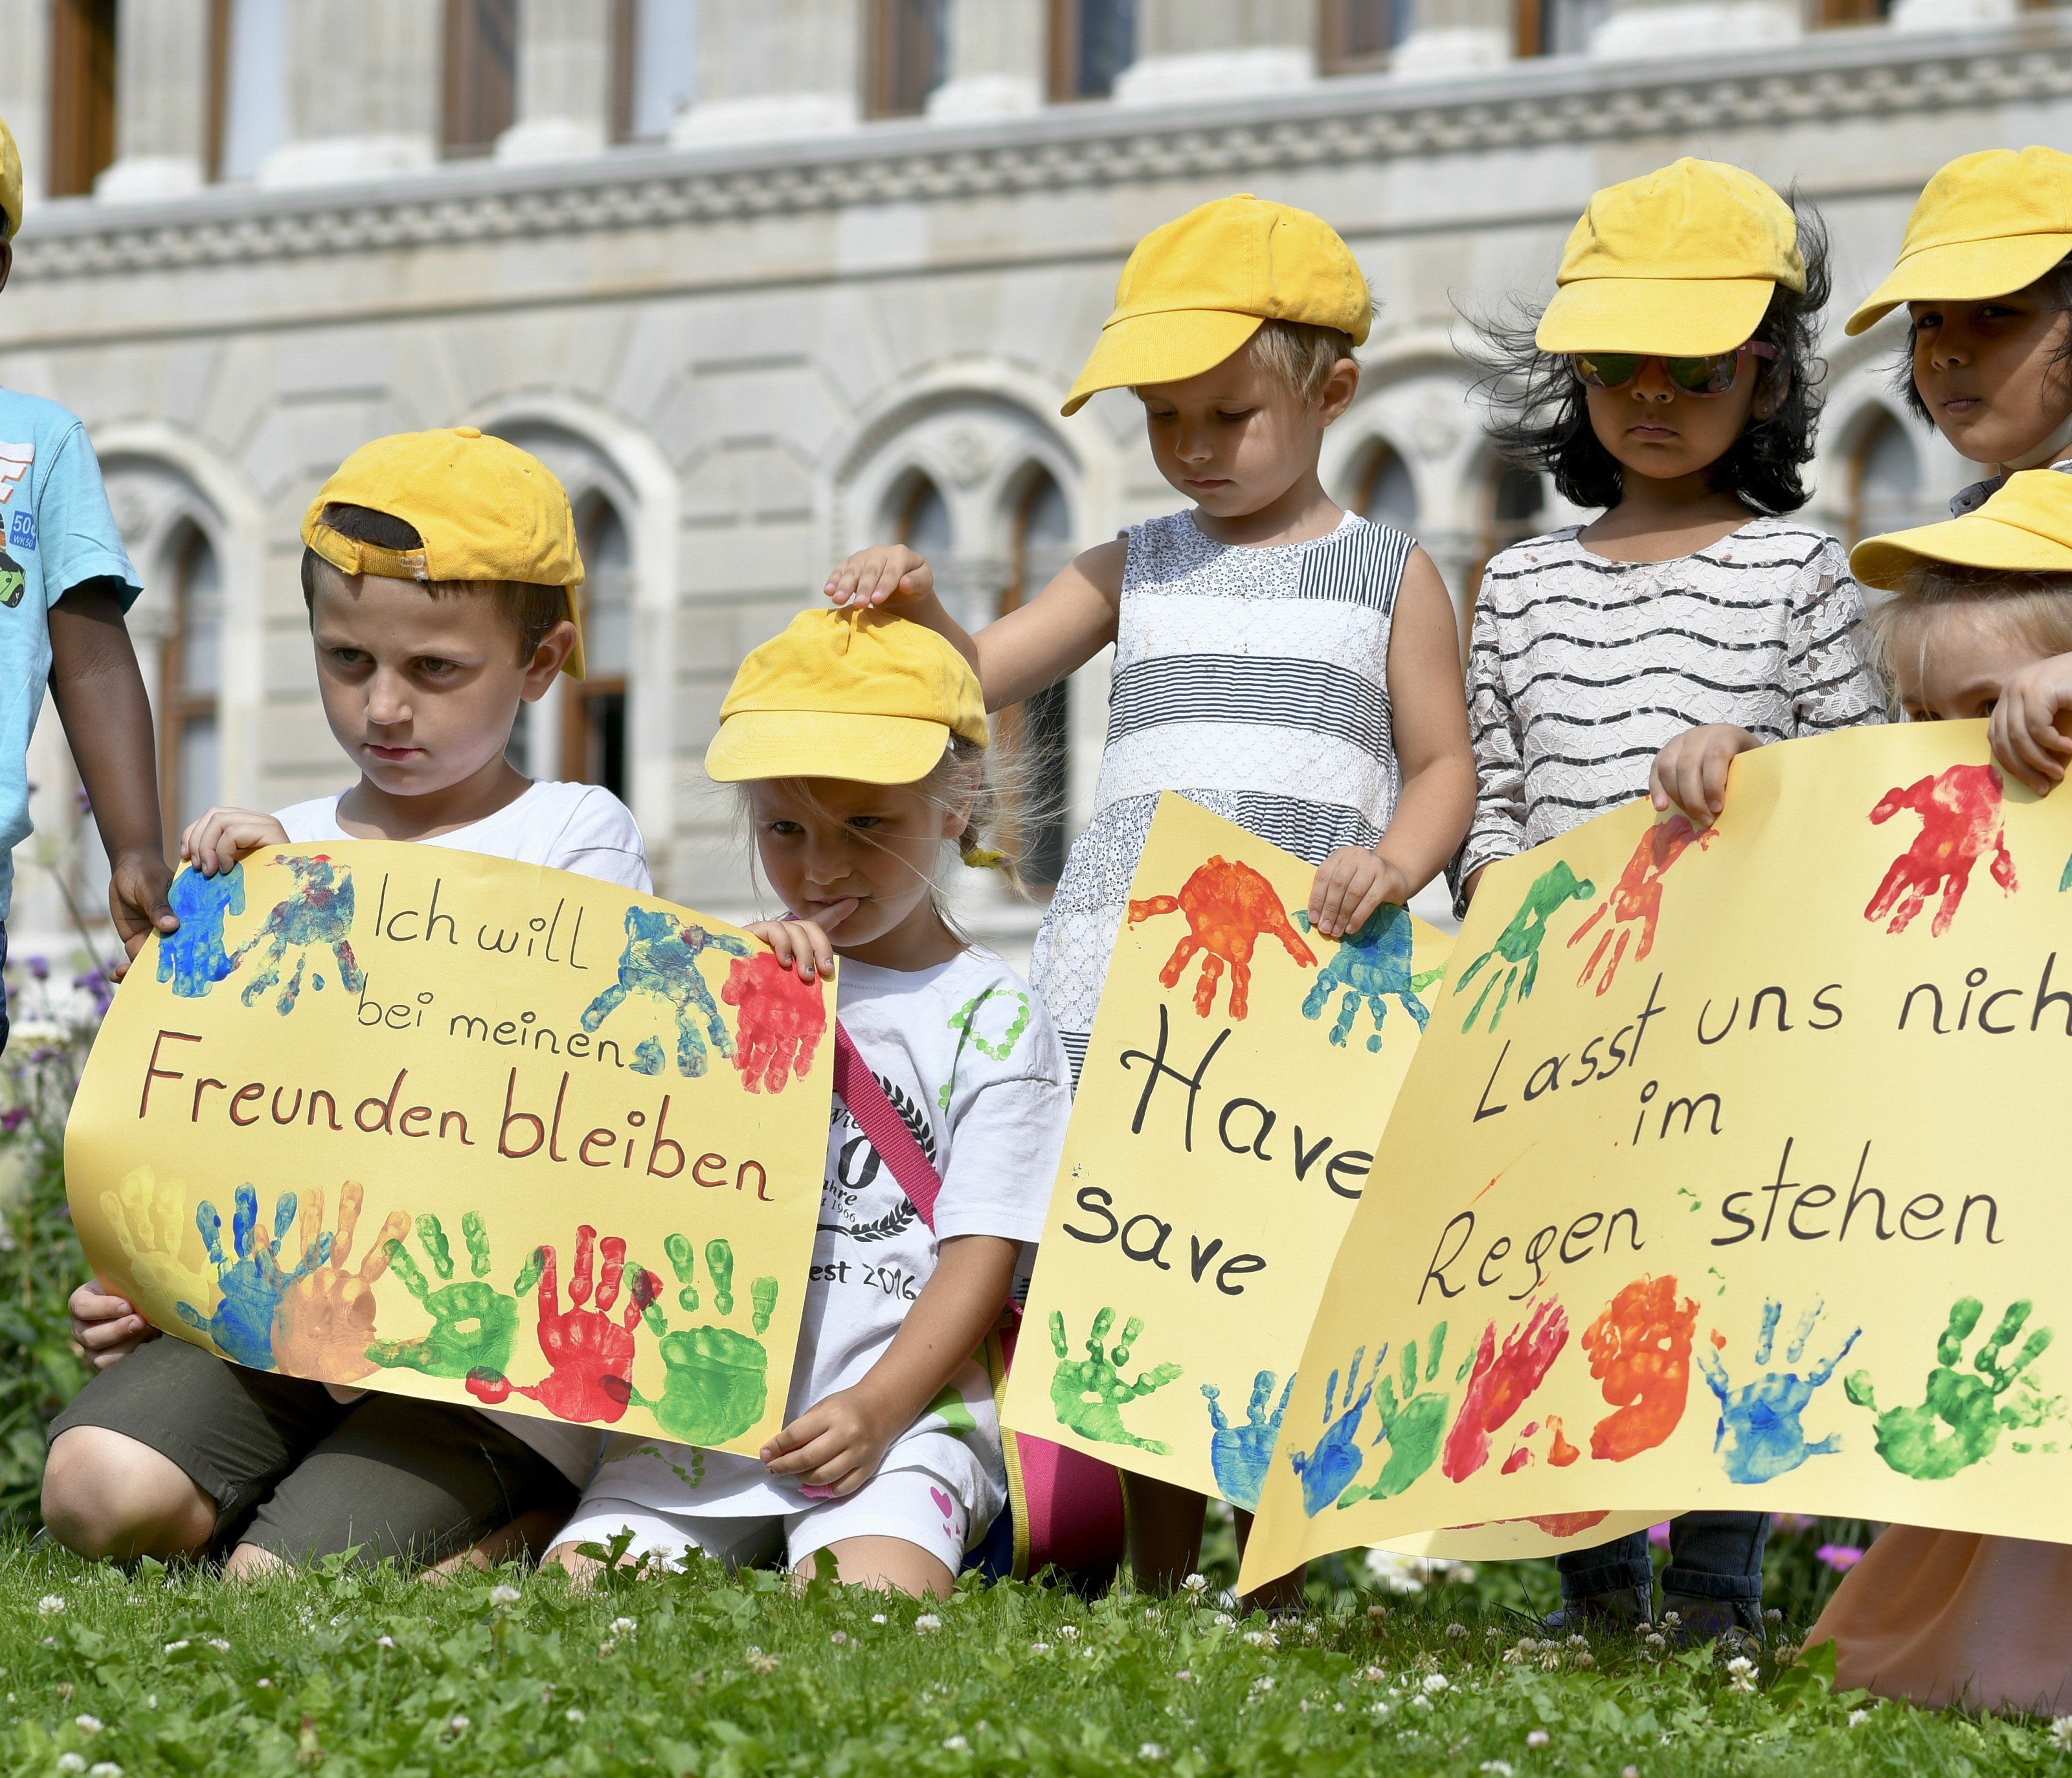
column 877, row 1617
column 762, row 1663
column 51, row 1603
column 1225, row 1619
column 504, row 1594
column 1784, row 1653
column 1263, row 1683
column 1068, row 1633
column 1311, row 1629
column 1151, row 1753
column 1151, row 1614
column 456, row 1723
column 2061, row 1732
column 1579, row 1641
column 175, row 1647
column 1434, row 1682
column 1857, row 1719
column 88, row 1725
column 136, row 1599
column 1457, row 1631
column 1654, row 1640
column 71, row 1762
column 1262, row 1638
column 1538, row 1738
column 926, row 1624
column 1551, row 1661
column 1672, row 1618
column 1196, row 1583
column 839, row 1638
column 1741, row 1667
column 1742, row 1682
column 384, row 1642
column 262, row 1684
column 1630, row 1771
column 956, row 1743
column 1379, row 1707
column 1583, row 1661
column 1421, row 1702
column 572, row 1715
column 1373, row 1675
column 1500, row 1767
column 103, row 1768
column 624, row 1626
column 1773, row 1615
column 1185, row 1675
column 1376, row 1613
column 1039, row 1648
column 218, row 1644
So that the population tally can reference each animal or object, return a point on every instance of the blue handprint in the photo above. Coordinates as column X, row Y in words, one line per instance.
column 1760, row 1436
column 192, row 958
column 1328, row 1471
column 1373, row 966
column 253, row 1283
column 659, row 962
column 1239, row 1455
column 316, row 916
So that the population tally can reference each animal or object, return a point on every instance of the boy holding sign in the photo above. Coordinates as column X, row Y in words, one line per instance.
column 441, row 572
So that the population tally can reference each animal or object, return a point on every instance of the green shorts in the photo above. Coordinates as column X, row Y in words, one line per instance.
column 303, row 1475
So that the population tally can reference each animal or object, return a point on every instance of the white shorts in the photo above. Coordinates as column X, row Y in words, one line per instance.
column 910, row 1504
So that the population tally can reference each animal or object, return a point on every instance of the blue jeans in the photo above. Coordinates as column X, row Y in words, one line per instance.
column 1711, row 1555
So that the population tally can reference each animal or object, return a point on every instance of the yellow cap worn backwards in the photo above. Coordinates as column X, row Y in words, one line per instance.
column 846, row 694
column 486, row 509
column 1987, row 224
column 1681, row 262
column 1196, row 289
column 11, row 183
column 2024, row 528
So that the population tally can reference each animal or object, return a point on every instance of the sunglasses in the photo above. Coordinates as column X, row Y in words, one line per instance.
column 1712, row 374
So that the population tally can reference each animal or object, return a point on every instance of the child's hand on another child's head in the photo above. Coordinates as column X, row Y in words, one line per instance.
column 1350, row 884
column 799, row 944
column 106, row 1326
column 218, row 839
column 1691, row 772
column 2026, row 738
column 834, row 1447
column 880, row 575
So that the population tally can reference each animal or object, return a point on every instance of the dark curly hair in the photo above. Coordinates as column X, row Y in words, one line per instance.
column 2056, row 285
column 1540, row 414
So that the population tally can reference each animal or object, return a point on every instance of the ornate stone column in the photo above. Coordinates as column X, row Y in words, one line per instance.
column 363, row 91
column 161, row 101
column 773, row 68
column 1447, row 36
column 1196, row 49
column 1656, row 27
column 999, row 59
column 564, row 82
column 25, row 68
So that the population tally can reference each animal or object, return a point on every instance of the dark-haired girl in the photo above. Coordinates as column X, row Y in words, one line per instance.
column 1671, row 382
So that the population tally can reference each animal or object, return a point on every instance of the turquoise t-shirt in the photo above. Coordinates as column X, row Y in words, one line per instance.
column 56, row 532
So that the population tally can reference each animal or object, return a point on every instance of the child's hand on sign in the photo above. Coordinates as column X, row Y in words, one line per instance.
column 1691, row 772
column 803, row 945
column 106, row 1326
column 1350, row 886
column 218, row 838
column 2027, row 738
column 882, row 575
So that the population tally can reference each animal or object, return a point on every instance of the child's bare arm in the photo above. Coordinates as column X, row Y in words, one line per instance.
column 1028, row 651
column 837, row 1443
column 1691, row 772
column 100, row 695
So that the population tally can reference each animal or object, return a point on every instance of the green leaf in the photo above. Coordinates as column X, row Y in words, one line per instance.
column 1811, row 1675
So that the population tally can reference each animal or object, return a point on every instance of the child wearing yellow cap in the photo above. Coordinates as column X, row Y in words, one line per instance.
column 1978, row 604
column 440, row 570
column 1278, row 660
column 1670, row 383
column 860, row 745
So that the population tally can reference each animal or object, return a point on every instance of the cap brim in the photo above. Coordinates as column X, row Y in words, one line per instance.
column 1975, row 540
column 1670, row 318
column 864, row 750
column 1164, row 347
column 1962, row 271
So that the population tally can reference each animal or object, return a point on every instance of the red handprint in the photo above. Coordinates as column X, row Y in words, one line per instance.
column 1960, row 822
column 1500, row 1383
column 1229, row 908
column 589, row 1353
column 1640, row 1350
column 1636, row 896
column 782, row 1020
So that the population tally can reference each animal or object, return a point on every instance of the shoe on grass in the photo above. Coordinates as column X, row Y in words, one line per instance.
column 1624, row 1611
column 1735, row 1625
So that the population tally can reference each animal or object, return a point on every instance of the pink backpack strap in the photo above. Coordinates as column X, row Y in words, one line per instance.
column 875, row 1116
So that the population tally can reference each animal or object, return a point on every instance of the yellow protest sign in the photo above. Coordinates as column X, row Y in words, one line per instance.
column 1238, row 1068
column 1739, row 1172
column 415, row 1119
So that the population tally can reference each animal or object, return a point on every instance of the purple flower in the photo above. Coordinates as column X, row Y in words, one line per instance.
column 1659, row 1536
column 85, row 802
column 14, row 1118
column 42, row 1054
column 1841, row 1557
column 39, row 967
column 1791, row 1524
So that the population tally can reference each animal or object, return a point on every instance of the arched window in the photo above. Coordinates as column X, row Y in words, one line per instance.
column 908, row 56
column 480, row 83
column 191, row 680
column 1385, row 492
column 593, row 708
column 1885, row 481
column 921, row 518
column 1092, row 41
column 1040, row 545
column 1356, row 35
column 1559, row 27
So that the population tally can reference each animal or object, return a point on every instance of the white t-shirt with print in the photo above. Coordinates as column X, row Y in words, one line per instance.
column 970, row 1059
column 579, row 828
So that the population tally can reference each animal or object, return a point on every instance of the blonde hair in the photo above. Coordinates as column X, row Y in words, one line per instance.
column 1299, row 355
column 2036, row 606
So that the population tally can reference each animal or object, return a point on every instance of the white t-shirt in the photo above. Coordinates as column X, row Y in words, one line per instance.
column 579, row 828
column 970, row 1059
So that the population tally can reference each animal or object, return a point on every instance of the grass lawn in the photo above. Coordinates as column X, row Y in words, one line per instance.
column 175, row 1671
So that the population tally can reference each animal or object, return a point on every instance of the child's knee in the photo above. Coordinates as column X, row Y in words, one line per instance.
column 110, row 1497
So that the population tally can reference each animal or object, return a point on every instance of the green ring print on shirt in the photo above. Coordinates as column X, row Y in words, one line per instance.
column 965, row 1022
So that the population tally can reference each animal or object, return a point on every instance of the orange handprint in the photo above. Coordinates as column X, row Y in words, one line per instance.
column 1640, row 1350
column 1229, row 908
column 1960, row 823
column 327, row 1318
column 1636, row 898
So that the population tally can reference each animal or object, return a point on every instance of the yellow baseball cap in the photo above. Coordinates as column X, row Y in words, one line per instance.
column 1196, row 289
column 1682, row 261
column 850, row 694
column 486, row 509
column 2025, row 528
column 1987, row 223
column 11, row 181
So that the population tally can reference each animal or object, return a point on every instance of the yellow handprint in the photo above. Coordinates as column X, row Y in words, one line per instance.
column 153, row 1226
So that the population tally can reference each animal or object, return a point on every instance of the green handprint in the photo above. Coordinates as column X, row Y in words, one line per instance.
column 474, row 1323
column 1413, row 1426
column 1088, row 1393
column 1913, row 1440
column 1516, row 952
column 716, row 1381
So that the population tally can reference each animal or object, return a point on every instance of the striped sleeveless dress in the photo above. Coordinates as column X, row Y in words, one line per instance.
column 1252, row 681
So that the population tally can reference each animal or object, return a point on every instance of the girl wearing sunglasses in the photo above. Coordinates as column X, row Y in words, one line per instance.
column 1669, row 385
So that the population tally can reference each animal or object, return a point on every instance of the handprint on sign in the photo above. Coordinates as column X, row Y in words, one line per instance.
column 1229, row 908
column 1636, row 898
column 474, row 1323
column 326, row 1318
column 1326, row 1471
column 1762, row 1434
column 1499, row 1382
column 659, row 962
column 191, row 957
column 588, row 1351
column 781, row 1021
column 1640, row 1350
column 150, row 1218
column 1238, row 1456
column 1088, row 1394
column 1518, row 945
column 252, row 1283
column 1960, row 1418
column 715, row 1381
column 1961, row 814
column 1412, row 1424
column 317, row 916
column 1372, row 966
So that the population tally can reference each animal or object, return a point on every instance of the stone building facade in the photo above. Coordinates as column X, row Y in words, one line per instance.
column 765, row 280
